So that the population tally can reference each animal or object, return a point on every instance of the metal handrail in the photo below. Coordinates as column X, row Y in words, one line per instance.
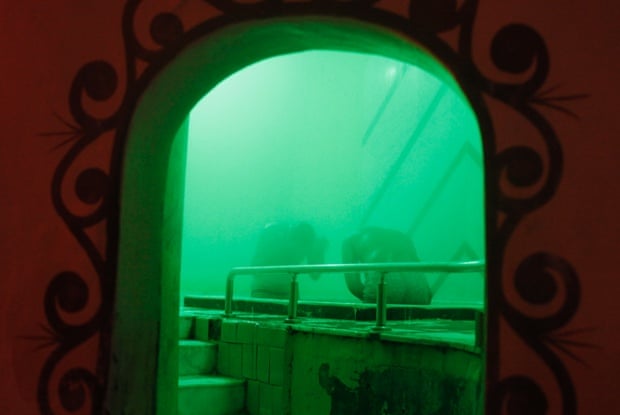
column 383, row 268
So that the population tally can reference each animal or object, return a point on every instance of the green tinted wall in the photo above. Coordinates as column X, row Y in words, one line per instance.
column 342, row 140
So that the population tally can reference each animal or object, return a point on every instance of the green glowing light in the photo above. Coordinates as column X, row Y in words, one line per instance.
column 342, row 140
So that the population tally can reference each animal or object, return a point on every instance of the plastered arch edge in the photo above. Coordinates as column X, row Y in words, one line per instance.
column 143, row 365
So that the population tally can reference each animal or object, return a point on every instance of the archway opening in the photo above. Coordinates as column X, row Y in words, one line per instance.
column 153, row 181
column 343, row 141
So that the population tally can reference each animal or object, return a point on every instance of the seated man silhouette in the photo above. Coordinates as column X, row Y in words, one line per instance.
column 284, row 244
column 375, row 244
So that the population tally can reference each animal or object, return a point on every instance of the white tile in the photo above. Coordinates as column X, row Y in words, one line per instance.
column 249, row 361
column 223, row 358
column 201, row 328
column 277, row 400
column 266, row 399
column 246, row 332
column 185, row 327
column 271, row 336
column 235, row 364
column 253, row 397
column 229, row 331
column 276, row 366
column 262, row 363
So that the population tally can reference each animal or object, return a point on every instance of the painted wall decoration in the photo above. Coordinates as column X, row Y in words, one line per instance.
column 549, row 279
column 392, row 391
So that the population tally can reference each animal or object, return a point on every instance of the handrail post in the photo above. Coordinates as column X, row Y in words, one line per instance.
column 382, row 268
column 292, row 301
column 381, row 305
column 228, row 301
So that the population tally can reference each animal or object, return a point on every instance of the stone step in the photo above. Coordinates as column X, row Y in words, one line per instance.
column 211, row 395
column 199, row 325
column 197, row 357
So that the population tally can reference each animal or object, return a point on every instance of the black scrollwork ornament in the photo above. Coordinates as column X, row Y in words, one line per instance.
column 516, row 49
column 539, row 280
column 518, row 395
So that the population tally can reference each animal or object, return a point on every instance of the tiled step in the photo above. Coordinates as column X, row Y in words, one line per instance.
column 211, row 395
column 199, row 325
column 186, row 326
column 197, row 357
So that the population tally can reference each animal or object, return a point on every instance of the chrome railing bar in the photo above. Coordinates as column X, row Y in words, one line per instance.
column 384, row 268
column 293, row 299
column 467, row 266
column 381, row 312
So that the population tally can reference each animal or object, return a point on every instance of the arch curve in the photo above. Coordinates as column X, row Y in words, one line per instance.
column 142, row 373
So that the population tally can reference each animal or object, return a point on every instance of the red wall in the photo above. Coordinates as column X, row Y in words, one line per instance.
column 44, row 44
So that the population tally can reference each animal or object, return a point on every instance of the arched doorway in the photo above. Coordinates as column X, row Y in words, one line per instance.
column 343, row 141
column 143, row 372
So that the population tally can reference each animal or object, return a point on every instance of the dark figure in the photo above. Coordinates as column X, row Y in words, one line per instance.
column 284, row 244
column 344, row 400
column 384, row 245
